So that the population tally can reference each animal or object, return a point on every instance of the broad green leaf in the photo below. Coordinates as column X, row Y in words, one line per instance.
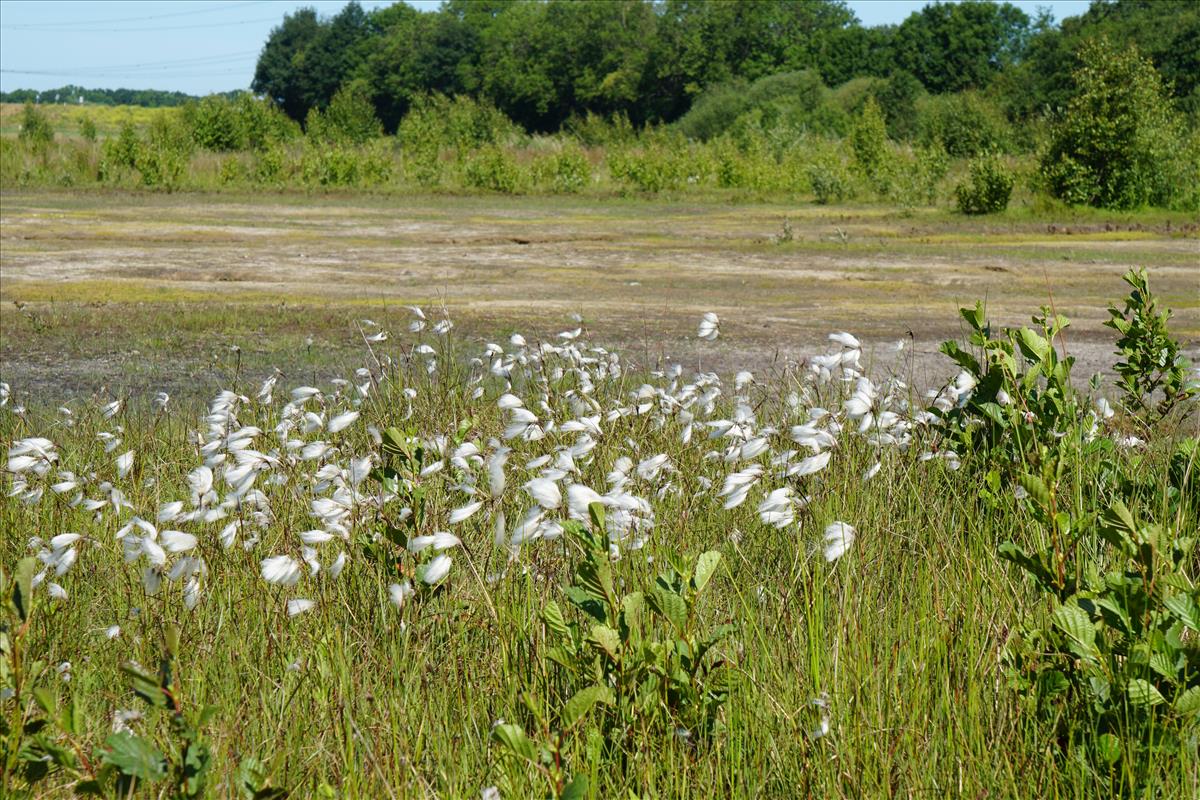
column 134, row 756
column 146, row 685
column 1036, row 488
column 582, row 701
column 577, row 789
column 1184, row 607
column 670, row 605
column 1077, row 625
column 706, row 565
column 1033, row 347
column 553, row 617
column 22, row 596
column 1188, row 703
column 606, row 639
column 1108, row 747
column 46, row 699
column 1142, row 693
column 1118, row 527
column 515, row 741
column 1011, row 552
column 596, row 514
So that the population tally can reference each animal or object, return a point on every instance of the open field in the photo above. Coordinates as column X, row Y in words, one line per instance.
column 149, row 291
column 500, row 566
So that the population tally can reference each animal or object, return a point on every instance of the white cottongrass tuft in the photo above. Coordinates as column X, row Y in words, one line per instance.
column 838, row 538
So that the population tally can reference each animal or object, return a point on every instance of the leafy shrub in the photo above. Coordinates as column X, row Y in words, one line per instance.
column 966, row 124
column 1120, row 649
column 35, row 127
column 122, row 151
column 87, row 128
column 917, row 178
column 565, row 172
column 830, row 178
column 633, row 661
column 897, row 97
column 162, row 158
column 269, row 164
column 594, row 130
column 1115, row 146
column 264, row 123
column 660, row 164
column 868, row 143
column 349, row 119
column 342, row 165
column 793, row 97
column 492, row 168
column 1152, row 373
column 989, row 188
column 215, row 124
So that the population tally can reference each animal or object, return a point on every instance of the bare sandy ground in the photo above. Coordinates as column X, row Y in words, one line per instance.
column 640, row 274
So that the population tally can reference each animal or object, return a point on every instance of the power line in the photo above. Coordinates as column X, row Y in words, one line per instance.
column 58, row 31
column 174, row 62
column 78, row 22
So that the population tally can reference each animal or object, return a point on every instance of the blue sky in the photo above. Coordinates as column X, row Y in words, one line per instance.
column 202, row 46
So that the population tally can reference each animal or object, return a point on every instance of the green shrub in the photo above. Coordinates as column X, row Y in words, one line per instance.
column 594, row 130
column 917, row 178
column 989, row 188
column 263, row 123
column 215, row 124
column 868, row 143
column 565, row 172
column 966, row 124
column 269, row 164
column 122, row 151
column 1117, row 143
column 794, row 98
column 829, row 177
column 35, row 127
column 349, row 119
column 492, row 168
column 87, row 128
column 162, row 159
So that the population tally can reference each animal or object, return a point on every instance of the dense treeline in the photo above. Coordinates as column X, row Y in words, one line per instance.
column 148, row 98
column 544, row 62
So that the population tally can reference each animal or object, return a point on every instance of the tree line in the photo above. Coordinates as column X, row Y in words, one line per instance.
column 148, row 98
column 544, row 62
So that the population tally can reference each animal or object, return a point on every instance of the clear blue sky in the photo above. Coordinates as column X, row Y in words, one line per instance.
column 201, row 46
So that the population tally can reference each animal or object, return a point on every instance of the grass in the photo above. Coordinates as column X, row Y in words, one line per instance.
column 902, row 638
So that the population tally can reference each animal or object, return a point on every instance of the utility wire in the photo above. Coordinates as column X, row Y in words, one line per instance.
column 75, row 23
column 59, row 31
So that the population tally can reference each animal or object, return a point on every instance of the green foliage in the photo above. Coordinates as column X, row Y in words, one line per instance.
column 830, row 178
column 989, row 188
column 1152, row 373
column 564, row 172
column 966, row 124
column 87, row 128
column 162, row 157
column 622, row 662
column 1118, row 136
column 1121, row 647
column 342, row 165
column 349, row 119
column 917, row 178
column 954, row 46
column 492, row 168
column 1013, row 396
column 869, row 144
column 35, row 128
column 215, row 124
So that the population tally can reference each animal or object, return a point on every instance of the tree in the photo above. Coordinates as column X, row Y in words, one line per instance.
column 1114, row 146
column 278, row 73
column 951, row 47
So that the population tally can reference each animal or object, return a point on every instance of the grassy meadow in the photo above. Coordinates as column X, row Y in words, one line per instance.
column 478, row 551
column 437, row 484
